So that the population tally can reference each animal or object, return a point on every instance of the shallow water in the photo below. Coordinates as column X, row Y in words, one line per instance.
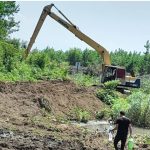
column 103, row 126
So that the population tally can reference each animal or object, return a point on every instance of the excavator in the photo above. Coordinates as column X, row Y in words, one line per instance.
column 109, row 72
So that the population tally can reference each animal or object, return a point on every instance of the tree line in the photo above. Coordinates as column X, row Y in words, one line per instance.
column 42, row 62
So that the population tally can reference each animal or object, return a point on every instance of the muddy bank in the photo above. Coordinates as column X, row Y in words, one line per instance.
column 28, row 141
column 15, row 140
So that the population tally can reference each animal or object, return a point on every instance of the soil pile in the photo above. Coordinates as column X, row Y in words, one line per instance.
column 60, row 98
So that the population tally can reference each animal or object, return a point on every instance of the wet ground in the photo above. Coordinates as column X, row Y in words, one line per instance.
column 103, row 126
column 27, row 141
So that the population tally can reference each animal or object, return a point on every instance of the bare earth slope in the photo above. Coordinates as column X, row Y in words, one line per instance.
column 23, row 99
column 24, row 125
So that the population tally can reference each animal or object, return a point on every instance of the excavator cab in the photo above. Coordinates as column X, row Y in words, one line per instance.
column 119, row 73
column 112, row 73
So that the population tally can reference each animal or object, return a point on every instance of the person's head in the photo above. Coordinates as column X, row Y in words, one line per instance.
column 122, row 113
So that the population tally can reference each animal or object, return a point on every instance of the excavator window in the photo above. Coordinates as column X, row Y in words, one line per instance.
column 121, row 73
column 109, row 74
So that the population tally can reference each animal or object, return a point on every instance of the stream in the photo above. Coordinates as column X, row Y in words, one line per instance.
column 103, row 126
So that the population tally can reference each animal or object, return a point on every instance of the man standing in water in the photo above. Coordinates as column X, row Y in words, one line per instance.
column 122, row 125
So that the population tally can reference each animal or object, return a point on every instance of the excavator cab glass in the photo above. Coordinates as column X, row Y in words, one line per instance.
column 112, row 73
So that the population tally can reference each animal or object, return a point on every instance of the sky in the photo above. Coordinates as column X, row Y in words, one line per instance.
column 113, row 25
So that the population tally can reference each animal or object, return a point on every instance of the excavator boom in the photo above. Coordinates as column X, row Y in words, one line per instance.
column 72, row 28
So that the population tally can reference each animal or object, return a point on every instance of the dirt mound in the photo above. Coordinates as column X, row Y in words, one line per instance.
column 24, row 99
column 23, row 115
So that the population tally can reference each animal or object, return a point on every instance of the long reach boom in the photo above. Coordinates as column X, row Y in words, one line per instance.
column 72, row 28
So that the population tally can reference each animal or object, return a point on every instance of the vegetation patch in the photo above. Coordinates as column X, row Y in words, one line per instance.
column 81, row 115
column 105, row 113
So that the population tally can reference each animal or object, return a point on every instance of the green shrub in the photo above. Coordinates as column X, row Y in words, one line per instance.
column 145, row 84
column 23, row 72
column 120, row 104
column 111, row 84
column 81, row 115
column 106, row 95
column 9, row 56
column 60, row 71
column 139, row 110
column 85, row 80
column 38, row 59
column 105, row 113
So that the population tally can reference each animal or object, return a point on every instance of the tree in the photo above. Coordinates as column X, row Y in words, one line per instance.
column 74, row 55
column 147, row 58
column 147, row 46
column 90, row 57
column 9, row 56
column 8, row 24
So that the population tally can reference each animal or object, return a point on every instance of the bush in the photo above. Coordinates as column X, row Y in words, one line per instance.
column 111, row 85
column 145, row 84
column 105, row 113
column 9, row 56
column 139, row 110
column 81, row 115
column 38, row 59
column 106, row 95
column 59, row 71
column 85, row 80
column 120, row 104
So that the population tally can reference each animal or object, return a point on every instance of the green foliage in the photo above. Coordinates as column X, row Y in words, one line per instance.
column 38, row 59
column 54, row 55
column 59, row 71
column 85, row 80
column 7, row 22
column 74, row 55
column 81, row 115
column 139, row 110
column 136, row 105
column 37, row 66
column 23, row 72
column 9, row 56
column 145, row 84
column 105, row 113
column 107, row 95
column 111, row 85
column 120, row 104
column 131, row 61
column 90, row 57
column 17, row 43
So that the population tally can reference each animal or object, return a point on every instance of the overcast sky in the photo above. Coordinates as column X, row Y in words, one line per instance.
column 114, row 25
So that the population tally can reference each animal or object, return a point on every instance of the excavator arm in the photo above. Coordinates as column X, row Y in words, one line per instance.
column 72, row 28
